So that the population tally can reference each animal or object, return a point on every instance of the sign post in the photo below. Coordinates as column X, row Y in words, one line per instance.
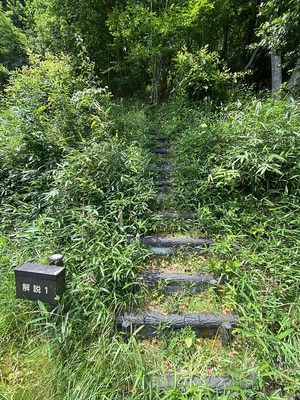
column 40, row 282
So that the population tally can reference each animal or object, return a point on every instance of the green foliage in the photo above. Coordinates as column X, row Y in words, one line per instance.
column 74, row 180
column 202, row 76
column 238, row 170
column 55, row 26
column 253, row 149
column 280, row 28
column 45, row 112
column 148, row 36
column 109, row 177
column 12, row 47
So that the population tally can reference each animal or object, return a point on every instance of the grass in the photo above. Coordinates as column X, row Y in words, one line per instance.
column 23, row 373
column 182, row 302
column 183, row 354
column 181, row 263
column 74, row 351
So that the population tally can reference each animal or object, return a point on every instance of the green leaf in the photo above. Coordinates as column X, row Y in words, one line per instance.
column 285, row 333
column 188, row 342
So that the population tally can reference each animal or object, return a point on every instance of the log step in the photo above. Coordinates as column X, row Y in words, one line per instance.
column 177, row 282
column 203, row 324
column 198, row 320
column 160, row 150
column 163, row 197
column 160, row 143
column 174, row 245
column 215, row 383
column 162, row 170
column 171, row 251
column 164, row 183
column 156, row 136
column 176, row 242
column 163, row 189
column 170, row 215
column 164, row 160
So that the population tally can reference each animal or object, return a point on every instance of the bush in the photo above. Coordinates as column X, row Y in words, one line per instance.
column 202, row 76
column 109, row 177
column 46, row 111
column 253, row 150
column 12, row 47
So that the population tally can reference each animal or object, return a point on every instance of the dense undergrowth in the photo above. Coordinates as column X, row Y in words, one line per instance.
column 241, row 173
column 74, row 180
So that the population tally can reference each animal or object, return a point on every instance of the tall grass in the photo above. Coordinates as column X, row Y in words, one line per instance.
column 72, row 181
column 239, row 170
column 79, row 185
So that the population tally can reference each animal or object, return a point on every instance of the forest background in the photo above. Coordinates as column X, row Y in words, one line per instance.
column 82, row 84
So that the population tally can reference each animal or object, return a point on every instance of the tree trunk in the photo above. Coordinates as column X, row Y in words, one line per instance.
column 225, row 40
column 276, row 72
column 294, row 82
column 159, row 67
column 155, row 81
column 252, row 59
column 250, row 29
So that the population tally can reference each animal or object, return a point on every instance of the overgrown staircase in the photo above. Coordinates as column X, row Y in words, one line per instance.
column 170, row 281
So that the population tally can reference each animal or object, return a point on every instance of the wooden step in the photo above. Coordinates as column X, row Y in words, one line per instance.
column 163, row 189
column 161, row 170
column 163, row 197
column 161, row 241
column 174, row 245
column 172, row 251
column 203, row 324
column 163, row 183
column 164, row 160
column 160, row 143
column 216, row 383
column 177, row 282
column 171, row 215
column 156, row 135
column 160, row 150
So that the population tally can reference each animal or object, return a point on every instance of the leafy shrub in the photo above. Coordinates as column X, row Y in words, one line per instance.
column 254, row 149
column 202, row 76
column 130, row 121
column 46, row 111
column 108, row 176
column 95, row 192
column 12, row 47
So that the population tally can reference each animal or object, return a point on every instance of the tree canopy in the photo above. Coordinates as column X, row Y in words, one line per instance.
column 134, row 44
column 12, row 46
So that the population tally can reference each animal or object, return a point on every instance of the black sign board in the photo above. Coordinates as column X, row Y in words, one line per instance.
column 40, row 282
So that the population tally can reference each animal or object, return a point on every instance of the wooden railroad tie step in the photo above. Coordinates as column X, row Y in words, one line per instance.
column 163, row 189
column 203, row 324
column 178, row 282
column 215, row 383
column 162, row 170
column 164, row 160
column 173, row 215
column 162, row 197
column 156, row 136
column 160, row 150
column 159, row 146
column 163, row 183
column 156, row 142
column 174, row 245
column 161, row 241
